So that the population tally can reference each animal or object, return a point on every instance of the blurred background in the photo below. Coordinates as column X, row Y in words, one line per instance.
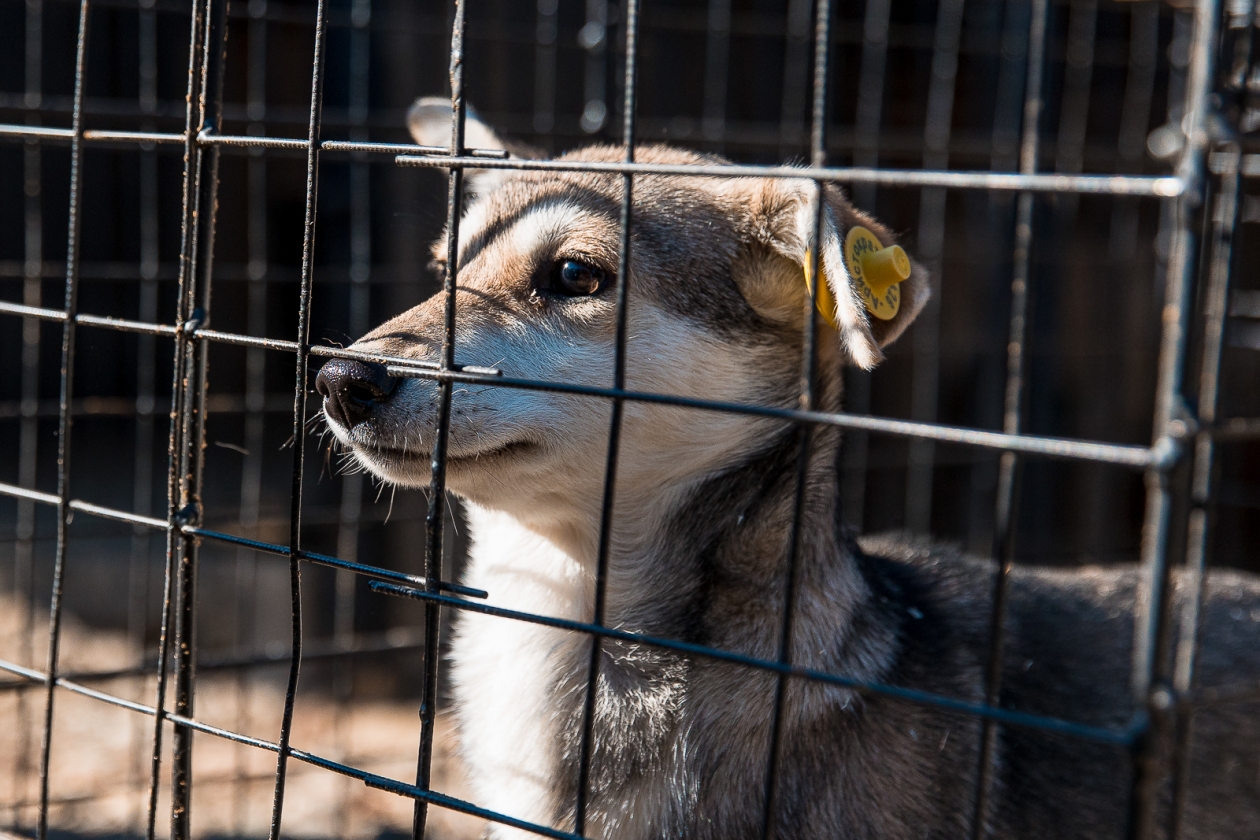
column 914, row 83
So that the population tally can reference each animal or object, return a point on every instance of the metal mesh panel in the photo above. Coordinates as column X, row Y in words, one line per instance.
column 1002, row 185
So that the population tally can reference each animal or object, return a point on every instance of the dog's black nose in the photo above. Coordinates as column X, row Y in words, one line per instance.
column 351, row 389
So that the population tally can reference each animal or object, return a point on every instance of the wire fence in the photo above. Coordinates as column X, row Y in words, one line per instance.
column 1202, row 201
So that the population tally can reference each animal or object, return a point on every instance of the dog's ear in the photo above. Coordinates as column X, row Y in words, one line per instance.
column 429, row 120
column 865, row 311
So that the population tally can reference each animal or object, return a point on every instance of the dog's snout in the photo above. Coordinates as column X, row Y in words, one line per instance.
column 351, row 389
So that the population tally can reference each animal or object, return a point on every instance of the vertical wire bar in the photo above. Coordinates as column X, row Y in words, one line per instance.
column 299, row 419
column 795, row 67
column 716, row 72
column 629, row 102
column 546, row 30
column 190, row 419
column 925, row 385
column 211, row 107
column 192, row 456
column 1215, row 310
column 64, row 420
column 855, row 444
column 435, row 515
column 818, row 158
column 146, row 349
column 1004, row 520
column 350, row 514
column 175, row 543
column 1152, row 632
column 245, row 603
column 28, row 432
column 186, row 580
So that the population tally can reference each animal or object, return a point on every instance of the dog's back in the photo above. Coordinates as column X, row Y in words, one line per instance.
column 1068, row 647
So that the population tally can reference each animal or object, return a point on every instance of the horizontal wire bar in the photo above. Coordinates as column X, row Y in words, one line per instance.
column 377, row 148
column 370, row 779
column 405, row 366
column 118, row 515
column 404, row 148
column 27, row 132
column 106, row 322
column 132, row 136
column 208, row 138
column 219, row 536
column 1163, row 455
column 359, row 355
column 7, row 308
column 333, row 650
column 112, row 699
column 212, row 139
column 331, row 562
column 226, row 734
column 1158, row 186
column 434, row 798
column 124, row 325
column 30, row 674
column 375, row 781
column 1124, row 737
column 41, row 678
column 248, row 340
column 25, row 493
column 1166, row 186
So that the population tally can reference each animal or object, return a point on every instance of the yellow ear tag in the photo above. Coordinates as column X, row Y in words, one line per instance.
column 877, row 271
column 825, row 302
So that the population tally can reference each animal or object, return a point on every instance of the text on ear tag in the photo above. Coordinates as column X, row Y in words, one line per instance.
column 825, row 302
column 876, row 271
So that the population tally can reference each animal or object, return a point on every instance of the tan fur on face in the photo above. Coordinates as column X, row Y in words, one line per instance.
column 716, row 308
column 717, row 276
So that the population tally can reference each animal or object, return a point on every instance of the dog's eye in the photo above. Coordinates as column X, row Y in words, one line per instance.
column 576, row 279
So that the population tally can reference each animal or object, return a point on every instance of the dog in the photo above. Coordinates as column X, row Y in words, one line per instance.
column 701, row 534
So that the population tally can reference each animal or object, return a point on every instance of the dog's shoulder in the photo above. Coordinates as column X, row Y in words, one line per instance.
column 936, row 597
column 931, row 582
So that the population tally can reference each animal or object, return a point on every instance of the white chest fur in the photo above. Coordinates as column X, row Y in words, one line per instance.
column 504, row 670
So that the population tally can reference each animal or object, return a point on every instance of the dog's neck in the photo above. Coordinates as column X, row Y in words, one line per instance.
column 725, row 541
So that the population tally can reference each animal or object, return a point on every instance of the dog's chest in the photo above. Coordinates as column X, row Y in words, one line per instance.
column 504, row 671
column 520, row 688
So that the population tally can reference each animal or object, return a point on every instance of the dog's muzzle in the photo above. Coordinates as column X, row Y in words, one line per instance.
column 352, row 389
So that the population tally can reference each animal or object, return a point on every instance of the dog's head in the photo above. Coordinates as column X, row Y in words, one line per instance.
column 716, row 307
